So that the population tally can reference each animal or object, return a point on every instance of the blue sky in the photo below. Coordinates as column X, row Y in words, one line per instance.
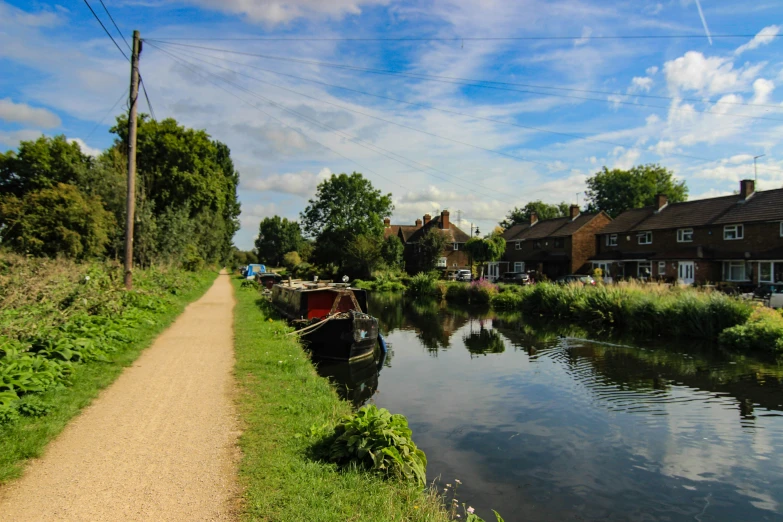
column 702, row 109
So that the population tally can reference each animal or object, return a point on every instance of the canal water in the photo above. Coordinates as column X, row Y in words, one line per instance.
column 543, row 423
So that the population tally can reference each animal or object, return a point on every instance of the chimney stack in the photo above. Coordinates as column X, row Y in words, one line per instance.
column 533, row 218
column 661, row 200
column 418, row 223
column 574, row 212
column 386, row 222
column 747, row 188
column 444, row 220
column 427, row 218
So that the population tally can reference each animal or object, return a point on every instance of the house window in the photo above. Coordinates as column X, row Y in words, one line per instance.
column 736, row 271
column 559, row 242
column 645, row 238
column 519, row 266
column 611, row 240
column 781, row 229
column 685, row 235
column 442, row 262
column 733, row 232
column 605, row 269
column 519, row 245
column 456, row 246
column 645, row 269
column 661, row 268
column 770, row 272
column 538, row 244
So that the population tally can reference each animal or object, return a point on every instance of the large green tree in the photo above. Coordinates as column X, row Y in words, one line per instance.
column 543, row 210
column 276, row 237
column 364, row 253
column 486, row 250
column 54, row 221
column 616, row 190
column 392, row 251
column 429, row 250
column 344, row 208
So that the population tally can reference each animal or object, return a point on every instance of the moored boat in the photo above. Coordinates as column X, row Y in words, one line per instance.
column 332, row 318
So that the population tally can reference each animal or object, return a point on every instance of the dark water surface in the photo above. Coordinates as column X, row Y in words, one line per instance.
column 542, row 424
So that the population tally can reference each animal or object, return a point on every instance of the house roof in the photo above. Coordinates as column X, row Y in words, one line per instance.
column 555, row 227
column 761, row 206
column 412, row 233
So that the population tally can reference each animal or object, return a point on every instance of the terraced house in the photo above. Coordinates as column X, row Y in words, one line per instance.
column 737, row 238
column 553, row 247
column 453, row 256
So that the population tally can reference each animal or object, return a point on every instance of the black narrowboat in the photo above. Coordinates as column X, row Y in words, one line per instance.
column 332, row 318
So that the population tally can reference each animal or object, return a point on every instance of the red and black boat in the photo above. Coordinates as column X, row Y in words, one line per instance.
column 332, row 318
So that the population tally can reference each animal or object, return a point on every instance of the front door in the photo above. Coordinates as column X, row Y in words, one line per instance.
column 685, row 270
column 493, row 271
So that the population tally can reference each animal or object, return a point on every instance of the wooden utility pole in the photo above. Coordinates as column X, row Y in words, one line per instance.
column 131, row 199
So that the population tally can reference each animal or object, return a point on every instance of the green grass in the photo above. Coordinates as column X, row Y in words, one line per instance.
column 27, row 437
column 280, row 399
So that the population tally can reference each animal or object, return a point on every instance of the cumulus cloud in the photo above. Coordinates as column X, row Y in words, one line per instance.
column 253, row 216
column 640, row 83
column 651, row 70
column 86, row 149
column 765, row 36
column 431, row 194
column 278, row 11
column 23, row 113
column 298, row 183
column 13, row 138
column 761, row 90
column 586, row 33
column 696, row 72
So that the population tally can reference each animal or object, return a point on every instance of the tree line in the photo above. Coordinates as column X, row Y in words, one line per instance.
column 58, row 201
column 341, row 229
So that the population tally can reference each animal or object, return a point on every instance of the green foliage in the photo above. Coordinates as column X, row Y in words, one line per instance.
column 616, row 190
column 42, row 164
column 364, row 254
column 392, row 250
column 423, row 284
column 543, row 210
column 486, row 250
column 375, row 439
column 345, row 207
column 243, row 258
column 55, row 221
column 291, row 260
column 763, row 332
column 430, row 249
column 276, row 237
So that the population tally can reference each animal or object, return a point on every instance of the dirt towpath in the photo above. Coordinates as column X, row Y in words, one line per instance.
column 158, row 444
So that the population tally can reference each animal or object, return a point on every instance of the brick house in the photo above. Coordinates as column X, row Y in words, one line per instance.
column 553, row 247
column 737, row 238
column 453, row 256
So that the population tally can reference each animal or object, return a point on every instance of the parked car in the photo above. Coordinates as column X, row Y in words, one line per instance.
column 464, row 275
column 575, row 278
column 520, row 278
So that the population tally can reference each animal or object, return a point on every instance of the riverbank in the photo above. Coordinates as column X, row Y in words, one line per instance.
column 67, row 331
column 281, row 401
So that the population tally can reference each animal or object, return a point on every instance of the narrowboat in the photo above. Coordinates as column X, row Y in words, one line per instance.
column 332, row 318
column 268, row 279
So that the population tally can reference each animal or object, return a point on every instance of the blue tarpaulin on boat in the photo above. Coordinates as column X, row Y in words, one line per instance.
column 252, row 270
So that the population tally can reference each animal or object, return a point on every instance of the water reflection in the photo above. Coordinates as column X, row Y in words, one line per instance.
column 548, row 424
column 355, row 382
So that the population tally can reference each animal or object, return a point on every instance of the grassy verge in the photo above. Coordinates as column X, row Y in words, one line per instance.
column 281, row 398
column 53, row 316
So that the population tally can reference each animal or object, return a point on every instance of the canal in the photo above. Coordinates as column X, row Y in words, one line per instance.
column 542, row 423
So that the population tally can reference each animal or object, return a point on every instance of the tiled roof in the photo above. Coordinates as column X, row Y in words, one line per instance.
column 762, row 206
column 555, row 227
column 627, row 220
column 412, row 233
column 512, row 232
column 572, row 226
column 695, row 213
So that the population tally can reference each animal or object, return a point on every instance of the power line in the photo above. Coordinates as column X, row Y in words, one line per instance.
column 464, row 38
column 106, row 30
column 122, row 97
column 449, row 111
column 115, row 24
column 464, row 81
column 362, row 143
column 147, row 97
column 513, row 156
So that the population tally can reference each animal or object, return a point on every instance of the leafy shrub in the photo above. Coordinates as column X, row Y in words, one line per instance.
column 763, row 332
column 377, row 440
column 8, row 414
column 291, row 260
column 33, row 407
column 423, row 284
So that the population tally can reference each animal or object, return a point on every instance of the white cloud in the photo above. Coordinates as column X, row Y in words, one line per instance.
column 640, row 83
column 625, row 159
column 252, row 217
column 764, row 37
column 278, row 11
column 298, row 183
column 761, row 90
column 586, row 33
column 431, row 194
column 651, row 70
column 86, row 149
column 693, row 71
column 23, row 113
column 13, row 138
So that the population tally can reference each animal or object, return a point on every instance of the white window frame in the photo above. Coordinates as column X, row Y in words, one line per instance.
column 681, row 235
column 729, row 265
column 455, row 246
column 737, row 230
column 771, row 271
column 644, row 235
column 661, row 268
column 611, row 240
column 605, row 266
column 645, row 264
column 519, row 245
column 443, row 262
column 519, row 266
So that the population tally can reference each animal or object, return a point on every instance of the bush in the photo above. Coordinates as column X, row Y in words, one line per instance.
column 763, row 332
column 291, row 260
column 423, row 285
column 375, row 439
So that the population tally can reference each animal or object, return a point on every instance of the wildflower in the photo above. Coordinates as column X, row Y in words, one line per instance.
column 415, row 507
column 458, row 481
column 470, row 510
column 281, row 362
column 448, row 485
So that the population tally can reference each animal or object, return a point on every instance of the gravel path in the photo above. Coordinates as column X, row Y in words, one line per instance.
column 158, row 444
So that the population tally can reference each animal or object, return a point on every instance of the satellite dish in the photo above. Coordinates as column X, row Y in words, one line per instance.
column 345, row 279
